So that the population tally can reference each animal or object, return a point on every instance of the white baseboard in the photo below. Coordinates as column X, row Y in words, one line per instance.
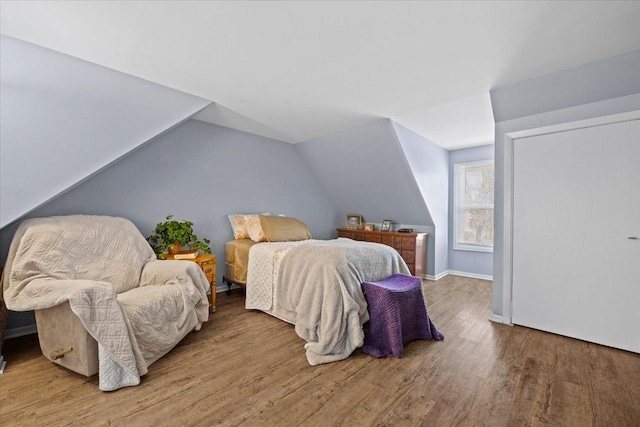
column 471, row 275
column 495, row 318
column 436, row 278
column 21, row 331
column 499, row 319
column 458, row 273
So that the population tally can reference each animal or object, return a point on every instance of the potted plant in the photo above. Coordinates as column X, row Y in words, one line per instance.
column 170, row 235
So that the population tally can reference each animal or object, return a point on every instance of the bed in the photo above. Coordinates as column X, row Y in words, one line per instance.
column 236, row 262
column 313, row 284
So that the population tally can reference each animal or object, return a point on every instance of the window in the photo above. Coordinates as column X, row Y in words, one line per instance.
column 473, row 206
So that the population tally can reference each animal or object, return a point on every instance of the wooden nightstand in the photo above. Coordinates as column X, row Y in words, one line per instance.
column 207, row 263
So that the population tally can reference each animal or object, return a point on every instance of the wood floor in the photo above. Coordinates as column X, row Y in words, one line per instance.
column 247, row 368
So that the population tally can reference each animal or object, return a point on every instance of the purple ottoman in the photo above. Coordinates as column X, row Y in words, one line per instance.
column 398, row 315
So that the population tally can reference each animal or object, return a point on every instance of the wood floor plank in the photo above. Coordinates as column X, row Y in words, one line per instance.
column 247, row 368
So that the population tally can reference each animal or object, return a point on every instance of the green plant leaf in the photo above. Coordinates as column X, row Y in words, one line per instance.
column 171, row 231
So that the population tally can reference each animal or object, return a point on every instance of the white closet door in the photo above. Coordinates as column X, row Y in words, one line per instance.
column 576, row 203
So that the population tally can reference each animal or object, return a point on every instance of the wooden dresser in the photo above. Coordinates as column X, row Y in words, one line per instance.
column 411, row 246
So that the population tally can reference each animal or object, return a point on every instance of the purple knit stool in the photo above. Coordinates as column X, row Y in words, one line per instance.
column 398, row 315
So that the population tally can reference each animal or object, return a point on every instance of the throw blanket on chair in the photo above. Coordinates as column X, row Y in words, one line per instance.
column 105, row 269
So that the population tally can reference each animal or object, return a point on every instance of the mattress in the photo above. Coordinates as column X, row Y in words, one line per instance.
column 237, row 259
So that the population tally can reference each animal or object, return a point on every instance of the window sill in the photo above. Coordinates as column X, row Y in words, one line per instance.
column 472, row 248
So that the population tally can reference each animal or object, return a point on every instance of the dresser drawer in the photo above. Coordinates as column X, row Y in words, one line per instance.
column 408, row 256
column 375, row 238
column 411, row 246
column 346, row 234
column 358, row 235
column 386, row 240
column 408, row 243
column 351, row 234
column 397, row 243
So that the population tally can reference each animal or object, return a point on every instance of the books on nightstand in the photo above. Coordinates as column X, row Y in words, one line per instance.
column 190, row 254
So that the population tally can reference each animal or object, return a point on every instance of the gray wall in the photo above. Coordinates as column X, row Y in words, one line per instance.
column 576, row 94
column 199, row 172
column 614, row 77
column 474, row 263
column 62, row 119
column 365, row 171
column 429, row 164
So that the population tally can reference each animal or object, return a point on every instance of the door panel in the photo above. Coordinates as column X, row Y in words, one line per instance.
column 576, row 202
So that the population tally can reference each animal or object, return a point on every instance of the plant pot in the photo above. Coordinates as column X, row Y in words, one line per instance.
column 175, row 248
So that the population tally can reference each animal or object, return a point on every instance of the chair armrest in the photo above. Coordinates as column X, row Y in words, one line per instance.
column 158, row 272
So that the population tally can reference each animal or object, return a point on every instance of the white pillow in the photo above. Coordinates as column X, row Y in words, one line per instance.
column 238, row 226
column 254, row 227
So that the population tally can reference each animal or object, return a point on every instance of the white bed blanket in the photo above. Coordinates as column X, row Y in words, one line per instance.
column 84, row 260
column 262, row 272
column 316, row 285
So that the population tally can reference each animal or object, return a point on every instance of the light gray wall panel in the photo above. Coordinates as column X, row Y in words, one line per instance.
column 610, row 78
column 63, row 119
column 429, row 164
column 365, row 171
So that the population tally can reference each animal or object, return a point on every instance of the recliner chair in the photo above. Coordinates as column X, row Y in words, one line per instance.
column 100, row 295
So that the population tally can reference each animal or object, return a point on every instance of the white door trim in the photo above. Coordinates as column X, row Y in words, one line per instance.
column 507, row 239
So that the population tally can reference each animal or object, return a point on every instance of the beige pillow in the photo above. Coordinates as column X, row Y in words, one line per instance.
column 283, row 229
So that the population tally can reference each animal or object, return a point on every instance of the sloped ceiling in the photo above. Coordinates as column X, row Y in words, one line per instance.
column 296, row 71
column 64, row 119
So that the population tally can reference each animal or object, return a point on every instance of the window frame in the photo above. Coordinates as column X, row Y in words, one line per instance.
column 458, row 208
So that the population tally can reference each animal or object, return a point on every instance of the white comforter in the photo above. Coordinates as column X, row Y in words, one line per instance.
column 316, row 285
column 85, row 260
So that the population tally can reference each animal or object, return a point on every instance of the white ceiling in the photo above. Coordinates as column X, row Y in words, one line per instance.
column 295, row 71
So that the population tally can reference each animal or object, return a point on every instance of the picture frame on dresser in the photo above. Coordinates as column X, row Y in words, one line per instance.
column 386, row 225
column 369, row 227
column 353, row 221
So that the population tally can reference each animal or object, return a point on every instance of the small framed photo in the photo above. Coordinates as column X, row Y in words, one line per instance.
column 386, row 225
column 369, row 227
column 353, row 221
